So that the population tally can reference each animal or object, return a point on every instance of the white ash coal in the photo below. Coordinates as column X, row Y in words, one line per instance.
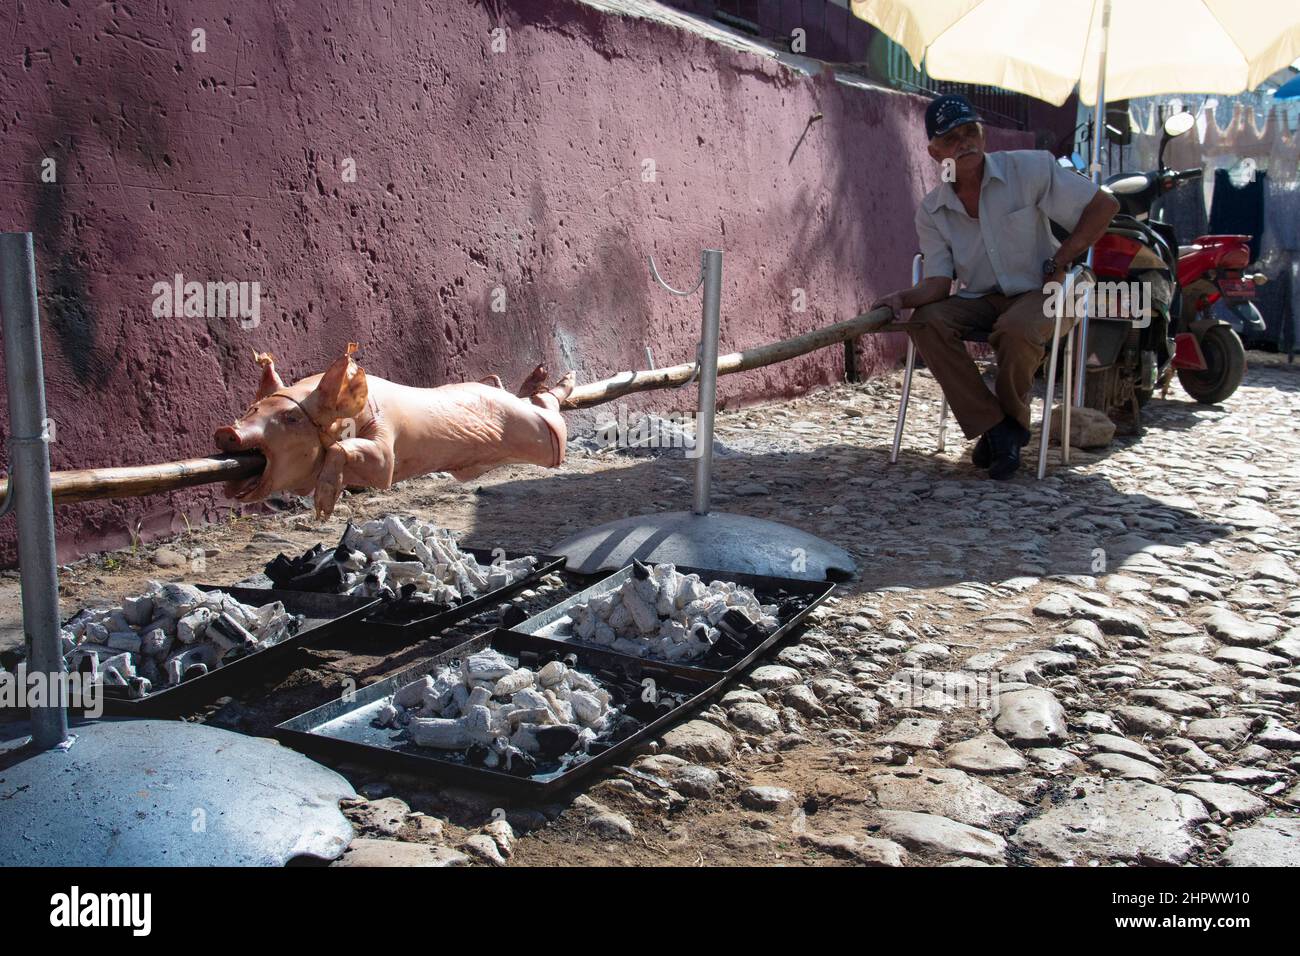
column 502, row 714
column 411, row 559
column 169, row 634
column 661, row 613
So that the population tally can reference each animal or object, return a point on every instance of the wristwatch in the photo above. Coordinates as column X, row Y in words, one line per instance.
column 1049, row 267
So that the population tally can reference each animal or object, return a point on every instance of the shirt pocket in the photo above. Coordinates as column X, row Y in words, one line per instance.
column 1024, row 242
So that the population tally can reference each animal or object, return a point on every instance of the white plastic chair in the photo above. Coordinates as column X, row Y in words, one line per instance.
column 1045, row 432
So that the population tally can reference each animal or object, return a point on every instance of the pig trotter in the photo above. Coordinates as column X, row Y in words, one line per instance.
column 534, row 383
column 555, row 396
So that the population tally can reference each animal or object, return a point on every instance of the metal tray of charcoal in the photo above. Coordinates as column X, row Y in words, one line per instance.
column 794, row 598
column 397, row 622
column 407, row 621
column 321, row 618
column 652, row 696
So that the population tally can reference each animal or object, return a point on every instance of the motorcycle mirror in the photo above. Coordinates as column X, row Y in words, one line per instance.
column 1119, row 128
column 1178, row 124
column 1175, row 125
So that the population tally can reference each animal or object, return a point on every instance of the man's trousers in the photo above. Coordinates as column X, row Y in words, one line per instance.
column 1019, row 329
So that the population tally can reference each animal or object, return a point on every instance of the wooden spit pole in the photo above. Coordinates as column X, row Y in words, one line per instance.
column 68, row 487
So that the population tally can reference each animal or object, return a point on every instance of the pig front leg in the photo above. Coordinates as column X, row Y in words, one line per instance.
column 352, row 461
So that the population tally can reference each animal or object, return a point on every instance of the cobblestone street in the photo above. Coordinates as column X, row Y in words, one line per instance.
column 1102, row 667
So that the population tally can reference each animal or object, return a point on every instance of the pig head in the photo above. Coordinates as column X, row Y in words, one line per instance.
column 346, row 428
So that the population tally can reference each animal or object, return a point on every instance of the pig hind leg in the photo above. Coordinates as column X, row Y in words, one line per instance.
column 534, row 383
column 555, row 396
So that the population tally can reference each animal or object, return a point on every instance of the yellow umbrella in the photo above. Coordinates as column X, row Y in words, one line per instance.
column 1045, row 48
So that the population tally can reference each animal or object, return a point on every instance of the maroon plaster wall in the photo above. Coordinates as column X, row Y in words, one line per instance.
column 475, row 170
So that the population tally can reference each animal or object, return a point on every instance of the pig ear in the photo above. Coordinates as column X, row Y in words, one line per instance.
column 271, row 382
column 342, row 390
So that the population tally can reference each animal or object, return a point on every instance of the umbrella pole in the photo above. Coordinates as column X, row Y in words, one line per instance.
column 1094, row 168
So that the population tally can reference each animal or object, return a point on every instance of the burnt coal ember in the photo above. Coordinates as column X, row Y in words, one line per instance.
column 170, row 634
column 525, row 715
column 411, row 564
column 662, row 614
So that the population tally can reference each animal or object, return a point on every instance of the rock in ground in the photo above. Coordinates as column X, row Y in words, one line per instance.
column 700, row 742
column 1117, row 821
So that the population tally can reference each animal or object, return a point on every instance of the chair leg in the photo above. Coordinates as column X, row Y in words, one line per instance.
column 902, row 402
column 1045, row 434
column 943, row 423
column 1067, row 393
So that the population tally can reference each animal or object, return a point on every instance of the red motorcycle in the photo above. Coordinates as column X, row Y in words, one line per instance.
column 1129, row 358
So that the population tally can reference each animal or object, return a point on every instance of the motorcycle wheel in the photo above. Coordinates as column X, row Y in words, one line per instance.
column 1225, row 360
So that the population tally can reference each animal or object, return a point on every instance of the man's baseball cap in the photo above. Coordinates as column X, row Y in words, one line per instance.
column 948, row 112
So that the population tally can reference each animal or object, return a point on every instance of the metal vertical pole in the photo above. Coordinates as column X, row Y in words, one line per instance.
column 1094, row 166
column 710, row 326
column 29, row 479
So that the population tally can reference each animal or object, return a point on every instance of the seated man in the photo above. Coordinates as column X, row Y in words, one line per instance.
column 990, row 230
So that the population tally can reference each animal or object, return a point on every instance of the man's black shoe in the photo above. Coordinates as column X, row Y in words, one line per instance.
column 981, row 455
column 1006, row 465
column 1004, row 443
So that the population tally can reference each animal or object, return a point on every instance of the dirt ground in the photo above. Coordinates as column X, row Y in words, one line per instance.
column 919, row 529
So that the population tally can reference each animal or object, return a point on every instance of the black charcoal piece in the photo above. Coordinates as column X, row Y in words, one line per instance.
column 232, row 630
column 405, row 556
column 512, row 615
column 519, row 764
column 789, row 607
column 725, row 648
column 556, row 740
column 300, row 574
column 528, row 659
column 737, row 623
column 325, row 580
column 642, row 710
column 281, row 569
column 640, row 571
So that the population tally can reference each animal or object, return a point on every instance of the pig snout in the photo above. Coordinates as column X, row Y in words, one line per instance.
column 228, row 438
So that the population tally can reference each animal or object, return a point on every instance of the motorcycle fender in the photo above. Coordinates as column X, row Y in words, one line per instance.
column 1203, row 324
column 1187, row 353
